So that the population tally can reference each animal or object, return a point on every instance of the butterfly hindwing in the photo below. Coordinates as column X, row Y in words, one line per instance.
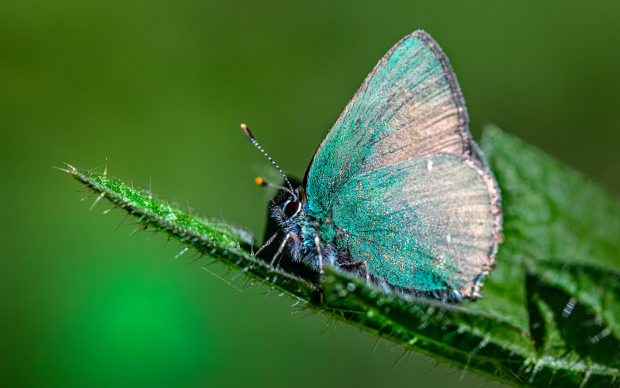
column 422, row 224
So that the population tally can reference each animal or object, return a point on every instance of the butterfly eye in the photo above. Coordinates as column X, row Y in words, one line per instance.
column 291, row 208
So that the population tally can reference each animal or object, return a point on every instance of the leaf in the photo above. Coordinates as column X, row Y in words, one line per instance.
column 550, row 314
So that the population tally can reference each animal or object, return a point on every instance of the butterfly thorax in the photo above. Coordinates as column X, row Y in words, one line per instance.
column 297, row 221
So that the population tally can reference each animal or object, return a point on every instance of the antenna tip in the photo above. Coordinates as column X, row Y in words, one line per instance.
column 260, row 181
column 247, row 132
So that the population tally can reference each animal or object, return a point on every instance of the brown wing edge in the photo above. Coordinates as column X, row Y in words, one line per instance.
column 471, row 289
column 457, row 95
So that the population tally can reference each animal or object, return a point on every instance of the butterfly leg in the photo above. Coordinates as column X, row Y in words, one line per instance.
column 266, row 244
column 359, row 264
column 282, row 245
column 367, row 272
column 317, row 242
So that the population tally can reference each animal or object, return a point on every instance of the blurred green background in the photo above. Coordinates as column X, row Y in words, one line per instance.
column 160, row 88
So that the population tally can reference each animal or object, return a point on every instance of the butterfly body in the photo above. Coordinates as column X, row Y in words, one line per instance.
column 305, row 226
column 398, row 192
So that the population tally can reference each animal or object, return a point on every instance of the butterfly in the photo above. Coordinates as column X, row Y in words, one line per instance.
column 398, row 193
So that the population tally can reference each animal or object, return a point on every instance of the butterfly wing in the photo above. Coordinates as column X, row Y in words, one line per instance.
column 408, row 108
column 410, row 105
column 425, row 224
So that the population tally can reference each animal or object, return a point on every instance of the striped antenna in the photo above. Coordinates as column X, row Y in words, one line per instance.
column 253, row 140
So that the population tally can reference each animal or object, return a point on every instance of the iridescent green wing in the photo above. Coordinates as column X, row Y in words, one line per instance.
column 408, row 109
column 410, row 105
column 427, row 223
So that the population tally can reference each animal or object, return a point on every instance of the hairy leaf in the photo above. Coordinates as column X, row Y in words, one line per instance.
column 550, row 314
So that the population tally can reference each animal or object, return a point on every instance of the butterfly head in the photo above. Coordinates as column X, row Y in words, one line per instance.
column 288, row 209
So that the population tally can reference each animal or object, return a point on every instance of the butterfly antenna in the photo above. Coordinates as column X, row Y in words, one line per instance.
column 253, row 140
column 261, row 182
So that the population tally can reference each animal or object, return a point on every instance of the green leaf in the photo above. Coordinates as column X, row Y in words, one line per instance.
column 550, row 314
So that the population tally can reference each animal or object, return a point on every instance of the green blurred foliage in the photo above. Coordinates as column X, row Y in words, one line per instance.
column 160, row 88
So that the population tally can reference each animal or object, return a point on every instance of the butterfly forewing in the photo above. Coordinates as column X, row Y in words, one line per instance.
column 409, row 106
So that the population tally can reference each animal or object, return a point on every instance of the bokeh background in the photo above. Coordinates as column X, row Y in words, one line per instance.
column 159, row 88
